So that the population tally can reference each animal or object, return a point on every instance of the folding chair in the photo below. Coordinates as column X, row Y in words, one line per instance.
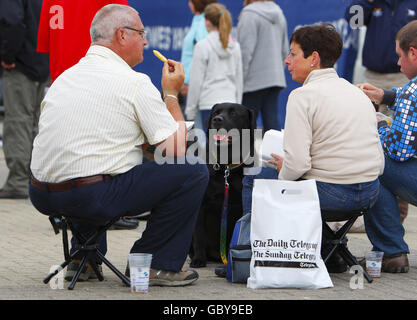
column 87, row 251
column 337, row 240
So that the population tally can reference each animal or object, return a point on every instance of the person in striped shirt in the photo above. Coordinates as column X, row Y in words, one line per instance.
column 87, row 158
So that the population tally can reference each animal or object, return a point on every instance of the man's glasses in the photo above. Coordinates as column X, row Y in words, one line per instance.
column 142, row 32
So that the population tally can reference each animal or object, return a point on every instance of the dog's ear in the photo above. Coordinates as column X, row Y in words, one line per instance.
column 208, row 121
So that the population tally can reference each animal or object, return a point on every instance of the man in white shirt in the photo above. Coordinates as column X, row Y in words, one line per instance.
column 86, row 161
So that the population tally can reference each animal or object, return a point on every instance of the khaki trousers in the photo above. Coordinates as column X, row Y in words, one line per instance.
column 22, row 98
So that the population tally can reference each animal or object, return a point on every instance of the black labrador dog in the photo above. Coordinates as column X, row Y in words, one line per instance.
column 228, row 148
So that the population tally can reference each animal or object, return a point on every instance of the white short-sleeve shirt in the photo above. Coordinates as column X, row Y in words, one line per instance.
column 93, row 118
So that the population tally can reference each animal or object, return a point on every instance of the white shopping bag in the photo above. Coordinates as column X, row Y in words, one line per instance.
column 286, row 231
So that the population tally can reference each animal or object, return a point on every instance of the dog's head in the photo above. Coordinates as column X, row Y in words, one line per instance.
column 231, row 123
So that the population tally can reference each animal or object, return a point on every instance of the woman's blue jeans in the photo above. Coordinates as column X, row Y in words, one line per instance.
column 334, row 197
column 383, row 224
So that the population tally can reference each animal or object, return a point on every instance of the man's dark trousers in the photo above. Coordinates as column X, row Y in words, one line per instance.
column 172, row 192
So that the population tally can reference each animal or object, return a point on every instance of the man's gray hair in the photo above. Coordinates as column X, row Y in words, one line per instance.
column 108, row 19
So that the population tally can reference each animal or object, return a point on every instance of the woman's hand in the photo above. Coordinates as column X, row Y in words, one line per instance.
column 277, row 161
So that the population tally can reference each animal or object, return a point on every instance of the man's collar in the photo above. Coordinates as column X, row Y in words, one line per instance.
column 106, row 53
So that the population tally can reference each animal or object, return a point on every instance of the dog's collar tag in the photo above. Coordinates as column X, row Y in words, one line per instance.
column 226, row 175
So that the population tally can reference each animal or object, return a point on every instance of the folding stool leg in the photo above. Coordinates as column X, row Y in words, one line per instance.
column 77, row 274
column 352, row 261
column 56, row 271
column 65, row 239
column 125, row 280
column 329, row 235
column 95, row 268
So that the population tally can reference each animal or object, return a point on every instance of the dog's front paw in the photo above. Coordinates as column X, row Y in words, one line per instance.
column 198, row 263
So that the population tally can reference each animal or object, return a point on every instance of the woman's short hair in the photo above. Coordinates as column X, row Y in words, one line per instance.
column 200, row 5
column 110, row 18
column 322, row 38
column 407, row 36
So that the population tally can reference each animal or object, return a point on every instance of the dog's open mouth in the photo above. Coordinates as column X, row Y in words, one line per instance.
column 222, row 139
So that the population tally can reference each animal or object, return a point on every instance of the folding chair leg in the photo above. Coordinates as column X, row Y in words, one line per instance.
column 352, row 261
column 95, row 268
column 78, row 273
column 56, row 271
column 122, row 277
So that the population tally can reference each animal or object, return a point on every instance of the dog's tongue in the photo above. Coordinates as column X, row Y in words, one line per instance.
column 220, row 137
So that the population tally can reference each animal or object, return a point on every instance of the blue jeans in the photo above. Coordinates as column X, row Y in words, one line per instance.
column 266, row 102
column 172, row 192
column 337, row 197
column 383, row 223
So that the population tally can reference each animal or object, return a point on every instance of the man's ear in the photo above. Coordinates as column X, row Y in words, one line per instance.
column 121, row 35
column 412, row 54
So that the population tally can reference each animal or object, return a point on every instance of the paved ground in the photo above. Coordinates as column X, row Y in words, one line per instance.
column 28, row 249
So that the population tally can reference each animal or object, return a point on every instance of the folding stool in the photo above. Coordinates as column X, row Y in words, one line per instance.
column 337, row 240
column 87, row 251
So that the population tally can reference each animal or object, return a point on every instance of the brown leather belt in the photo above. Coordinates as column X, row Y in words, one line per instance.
column 70, row 184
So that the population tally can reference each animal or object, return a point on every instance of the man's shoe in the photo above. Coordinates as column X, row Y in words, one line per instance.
column 86, row 273
column 125, row 224
column 164, row 278
column 9, row 195
column 397, row 263
column 168, row 278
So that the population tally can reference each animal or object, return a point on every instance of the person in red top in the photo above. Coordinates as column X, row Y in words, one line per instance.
column 64, row 30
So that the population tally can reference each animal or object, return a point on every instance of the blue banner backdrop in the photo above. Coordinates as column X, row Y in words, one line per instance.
column 167, row 22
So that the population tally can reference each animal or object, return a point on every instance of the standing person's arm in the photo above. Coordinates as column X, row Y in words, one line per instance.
column 44, row 28
column 285, row 45
column 12, row 31
column 197, row 75
column 239, row 76
column 246, row 35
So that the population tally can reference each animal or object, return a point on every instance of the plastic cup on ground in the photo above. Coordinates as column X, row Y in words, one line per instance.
column 374, row 263
column 139, row 264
